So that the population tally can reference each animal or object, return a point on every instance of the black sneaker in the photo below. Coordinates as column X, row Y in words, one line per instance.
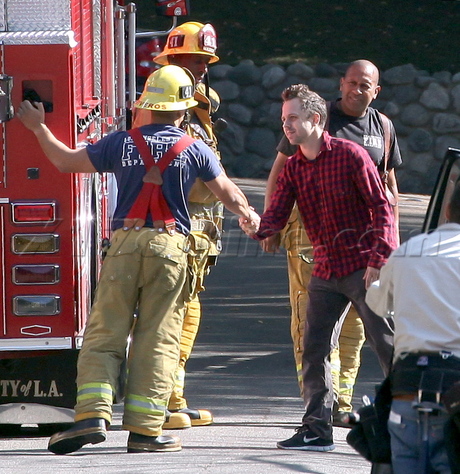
column 306, row 440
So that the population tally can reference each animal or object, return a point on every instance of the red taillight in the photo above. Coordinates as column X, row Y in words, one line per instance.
column 35, row 274
column 33, row 213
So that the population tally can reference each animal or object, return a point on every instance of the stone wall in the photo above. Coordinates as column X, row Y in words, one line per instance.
column 425, row 109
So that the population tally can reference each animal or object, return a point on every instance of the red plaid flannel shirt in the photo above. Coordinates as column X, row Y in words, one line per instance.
column 342, row 204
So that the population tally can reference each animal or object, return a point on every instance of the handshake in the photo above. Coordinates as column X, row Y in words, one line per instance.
column 250, row 225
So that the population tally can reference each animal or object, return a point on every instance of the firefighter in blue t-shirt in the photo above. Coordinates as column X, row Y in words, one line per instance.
column 145, row 270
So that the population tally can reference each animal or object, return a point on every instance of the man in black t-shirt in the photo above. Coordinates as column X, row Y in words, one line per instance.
column 349, row 117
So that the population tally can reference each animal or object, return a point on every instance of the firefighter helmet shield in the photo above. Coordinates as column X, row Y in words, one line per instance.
column 168, row 88
column 190, row 38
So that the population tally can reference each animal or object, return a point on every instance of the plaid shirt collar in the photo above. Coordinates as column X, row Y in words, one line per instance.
column 325, row 146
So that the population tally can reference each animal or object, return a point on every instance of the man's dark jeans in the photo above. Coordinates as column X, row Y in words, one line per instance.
column 328, row 299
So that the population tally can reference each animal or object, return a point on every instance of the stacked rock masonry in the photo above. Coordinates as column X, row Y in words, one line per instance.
column 424, row 107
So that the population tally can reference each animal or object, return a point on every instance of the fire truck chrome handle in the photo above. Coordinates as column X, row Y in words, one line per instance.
column 120, row 66
column 131, row 14
column 152, row 34
column 6, row 104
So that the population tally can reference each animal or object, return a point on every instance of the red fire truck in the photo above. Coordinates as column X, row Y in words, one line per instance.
column 70, row 55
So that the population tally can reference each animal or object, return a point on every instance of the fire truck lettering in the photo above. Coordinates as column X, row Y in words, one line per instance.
column 4, row 384
column 37, row 391
column 14, row 387
column 25, row 389
column 53, row 391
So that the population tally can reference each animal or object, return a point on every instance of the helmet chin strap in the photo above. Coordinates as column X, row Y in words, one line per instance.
column 206, row 84
column 185, row 123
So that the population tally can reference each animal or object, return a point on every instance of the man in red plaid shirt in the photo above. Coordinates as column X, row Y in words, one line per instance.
column 349, row 222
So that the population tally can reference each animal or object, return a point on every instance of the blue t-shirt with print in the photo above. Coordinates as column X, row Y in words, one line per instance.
column 117, row 153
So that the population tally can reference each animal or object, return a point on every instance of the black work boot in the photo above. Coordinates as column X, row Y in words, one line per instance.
column 92, row 430
column 138, row 443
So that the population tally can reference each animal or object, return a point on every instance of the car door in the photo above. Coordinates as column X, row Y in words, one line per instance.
column 447, row 179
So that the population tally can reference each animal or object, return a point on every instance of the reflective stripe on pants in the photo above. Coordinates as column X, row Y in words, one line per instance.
column 143, row 271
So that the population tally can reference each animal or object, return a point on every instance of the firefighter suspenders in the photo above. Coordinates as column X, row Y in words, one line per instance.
column 151, row 196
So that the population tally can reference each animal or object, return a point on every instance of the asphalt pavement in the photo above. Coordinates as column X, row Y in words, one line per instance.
column 242, row 369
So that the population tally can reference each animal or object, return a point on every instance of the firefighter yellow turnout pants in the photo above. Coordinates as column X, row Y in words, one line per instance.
column 144, row 270
column 345, row 358
column 200, row 247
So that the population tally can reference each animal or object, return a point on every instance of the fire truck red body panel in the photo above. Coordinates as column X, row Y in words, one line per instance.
column 47, row 70
column 61, row 53
column 69, row 55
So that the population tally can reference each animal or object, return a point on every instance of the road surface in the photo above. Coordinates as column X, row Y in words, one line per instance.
column 242, row 369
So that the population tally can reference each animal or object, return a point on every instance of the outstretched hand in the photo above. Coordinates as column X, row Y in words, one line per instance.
column 271, row 244
column 371, row 274
column 250, row 225
column 32, row 115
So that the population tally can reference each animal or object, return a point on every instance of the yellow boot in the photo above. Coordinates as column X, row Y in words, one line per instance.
column 196, row 417
column 177, row 403
column 176, row 421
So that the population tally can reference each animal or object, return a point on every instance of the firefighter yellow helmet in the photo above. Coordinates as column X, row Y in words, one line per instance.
column 168, row 88
column 190, row 38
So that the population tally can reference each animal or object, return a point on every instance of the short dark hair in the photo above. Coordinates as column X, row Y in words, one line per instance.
column 311, row 101
column 455, row 204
